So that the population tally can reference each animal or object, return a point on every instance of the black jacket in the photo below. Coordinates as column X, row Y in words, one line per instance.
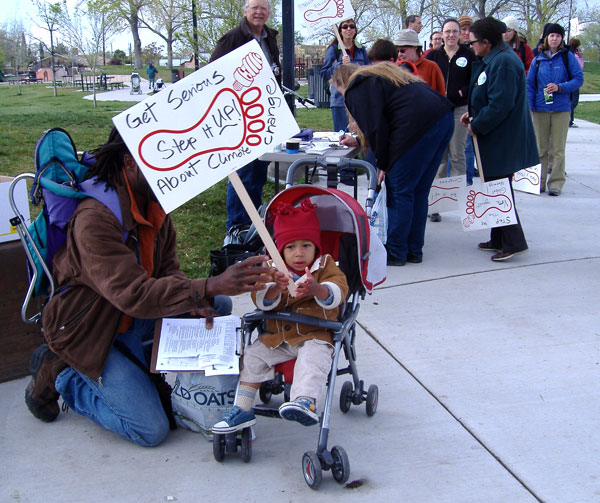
column 241, row 35
column 393, row 118
column 457, row 72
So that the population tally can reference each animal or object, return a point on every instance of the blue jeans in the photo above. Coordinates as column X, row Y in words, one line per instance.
column 470, row 159
column 254, row 177
column 408, row 183
column 124, row 400
column 340, row 118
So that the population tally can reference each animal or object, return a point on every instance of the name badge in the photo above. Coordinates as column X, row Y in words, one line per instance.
column 481, row 79
column 462, row 62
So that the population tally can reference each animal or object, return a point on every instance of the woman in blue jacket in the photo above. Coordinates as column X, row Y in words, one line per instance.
column 355, row 53
column 553, row 75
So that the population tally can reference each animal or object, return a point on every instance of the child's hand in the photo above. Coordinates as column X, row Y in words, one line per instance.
column 311, row 286
column 281, row 280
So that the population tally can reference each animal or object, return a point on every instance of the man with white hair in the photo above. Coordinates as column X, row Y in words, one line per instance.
column 252, row 27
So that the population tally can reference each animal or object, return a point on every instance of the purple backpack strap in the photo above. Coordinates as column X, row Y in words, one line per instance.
column 108, row 197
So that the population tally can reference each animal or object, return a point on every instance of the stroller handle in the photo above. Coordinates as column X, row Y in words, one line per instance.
column 328, row 162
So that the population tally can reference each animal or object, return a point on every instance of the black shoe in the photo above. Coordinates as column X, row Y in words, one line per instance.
column 500, row 256
column 554, row 192
column 436, row 217
column 395, row 261
column 41, row 396
column 573, row 125
column 414, row 259
column 488, row 246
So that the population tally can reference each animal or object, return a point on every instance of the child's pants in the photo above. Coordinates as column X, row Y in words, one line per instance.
column 313, row 362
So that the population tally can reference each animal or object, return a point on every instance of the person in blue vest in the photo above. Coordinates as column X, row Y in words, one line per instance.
column 334, row 57
column 553, row 75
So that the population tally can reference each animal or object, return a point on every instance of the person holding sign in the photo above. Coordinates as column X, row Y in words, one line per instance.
column 500, row 122
column 252, row 27
column 321, row 288
column 408, row 126
column 350, row 51
column 114, row 277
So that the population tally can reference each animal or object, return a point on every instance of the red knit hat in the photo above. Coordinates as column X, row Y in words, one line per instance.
column 292, row 223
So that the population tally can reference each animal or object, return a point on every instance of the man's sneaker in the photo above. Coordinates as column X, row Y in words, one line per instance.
column 301, row 410
column 236, row 419
column 488, row 246
column 436, row 217
column 41, row 396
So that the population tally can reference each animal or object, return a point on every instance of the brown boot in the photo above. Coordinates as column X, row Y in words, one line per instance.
column 41, row 396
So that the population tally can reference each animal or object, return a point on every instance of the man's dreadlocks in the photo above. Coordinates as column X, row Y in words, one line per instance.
column 109, row 160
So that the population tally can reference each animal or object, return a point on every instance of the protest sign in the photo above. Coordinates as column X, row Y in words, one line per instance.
column 487, row 205
column 528, row 179
column 204, row 127
column 320, row 14
column 444, row 194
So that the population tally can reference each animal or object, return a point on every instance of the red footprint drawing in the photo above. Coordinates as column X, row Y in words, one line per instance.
column 533, row 179
column 475, row 199
column 331, row 10
column 239, row 115
column 444, row 189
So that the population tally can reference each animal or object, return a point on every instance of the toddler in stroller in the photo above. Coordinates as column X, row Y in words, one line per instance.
column 345, row 237
column 321, row 289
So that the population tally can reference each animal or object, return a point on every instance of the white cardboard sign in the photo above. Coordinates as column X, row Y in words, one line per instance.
column 487, row 205
column 528, row 179
column 319, row 14
column 445, row 193
column 197, row 131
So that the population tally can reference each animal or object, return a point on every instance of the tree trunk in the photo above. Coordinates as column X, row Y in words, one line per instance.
column 137, row 43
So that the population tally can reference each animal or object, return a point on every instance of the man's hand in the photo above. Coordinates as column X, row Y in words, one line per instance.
column 246, row 276
column 311, row 286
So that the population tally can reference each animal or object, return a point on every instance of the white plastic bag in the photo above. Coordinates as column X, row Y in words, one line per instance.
column 379, row 215
column 199, row 401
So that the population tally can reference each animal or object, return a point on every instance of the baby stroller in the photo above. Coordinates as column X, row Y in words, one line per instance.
column 136, row 83
column 345, row 235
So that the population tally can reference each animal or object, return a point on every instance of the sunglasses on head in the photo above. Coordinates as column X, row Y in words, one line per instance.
column 346, row 26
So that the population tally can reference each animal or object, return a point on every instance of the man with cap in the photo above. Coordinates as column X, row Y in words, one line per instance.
column 410, row 50
column 465, row 23
column 321, row 289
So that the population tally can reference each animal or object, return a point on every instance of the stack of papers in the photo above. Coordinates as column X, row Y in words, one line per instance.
column 184, row 344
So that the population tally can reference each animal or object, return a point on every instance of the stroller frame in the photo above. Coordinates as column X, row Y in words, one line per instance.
column 343, row 334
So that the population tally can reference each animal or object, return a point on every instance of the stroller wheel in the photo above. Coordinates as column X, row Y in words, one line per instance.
column 311, row 468
column 372, row 399
column 265, row 392
column 246, row 445
column 346, row 396
column 218, row 447
column 341, row 464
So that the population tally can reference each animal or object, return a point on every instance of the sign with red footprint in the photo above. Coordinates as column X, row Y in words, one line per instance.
column 321, row 14
column 528, row 179
column 444, row 193
column 487, row 205
column 204, row 127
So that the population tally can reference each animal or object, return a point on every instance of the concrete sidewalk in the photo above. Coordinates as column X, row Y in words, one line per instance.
column 488, row 376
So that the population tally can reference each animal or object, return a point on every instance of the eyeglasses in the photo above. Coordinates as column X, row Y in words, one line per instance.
column 403, row 50
column 451, row 32
column 348, row 26
column 470, row 43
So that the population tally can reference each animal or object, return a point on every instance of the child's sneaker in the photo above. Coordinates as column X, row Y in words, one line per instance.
column 302, row 410
column 236, row 419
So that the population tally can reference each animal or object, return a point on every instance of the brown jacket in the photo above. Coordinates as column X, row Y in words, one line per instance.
column 99, row 279
column 325, row 272
column 430, row 72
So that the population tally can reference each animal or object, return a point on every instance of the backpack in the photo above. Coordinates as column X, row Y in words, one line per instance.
column 59, row 186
